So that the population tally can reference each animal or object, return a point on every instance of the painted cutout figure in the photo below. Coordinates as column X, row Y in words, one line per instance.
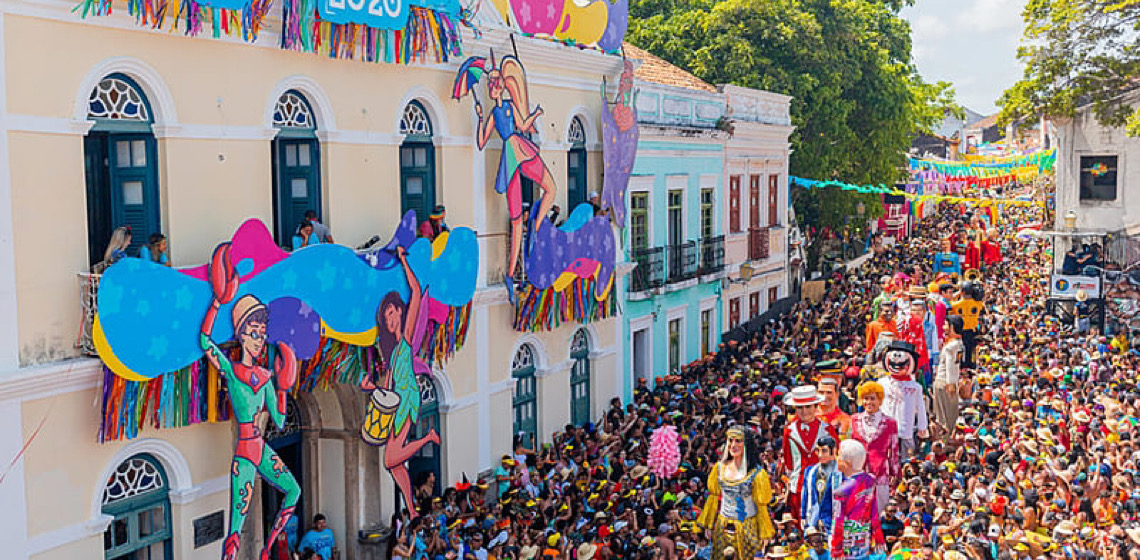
column 251, row 390
column 394, row 407
column 512, row 118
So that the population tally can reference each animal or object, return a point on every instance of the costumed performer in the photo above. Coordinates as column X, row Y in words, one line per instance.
column 736, row 510
column 856, row 531
column 879, row 435
column 801, row 439
column 903, row 398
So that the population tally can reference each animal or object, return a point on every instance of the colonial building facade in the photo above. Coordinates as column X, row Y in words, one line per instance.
column 111, row 124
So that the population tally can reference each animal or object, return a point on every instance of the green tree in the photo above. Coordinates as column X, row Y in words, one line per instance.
column 1077, row 52
column 857, row 98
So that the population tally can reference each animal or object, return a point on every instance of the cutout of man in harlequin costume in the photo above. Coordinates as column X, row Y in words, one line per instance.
column 252, row 388
column 903, row 399
column 801, row 440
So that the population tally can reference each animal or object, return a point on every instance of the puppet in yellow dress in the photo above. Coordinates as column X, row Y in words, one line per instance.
column 739, row 493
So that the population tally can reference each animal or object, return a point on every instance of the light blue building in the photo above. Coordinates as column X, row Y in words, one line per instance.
column 674, row 230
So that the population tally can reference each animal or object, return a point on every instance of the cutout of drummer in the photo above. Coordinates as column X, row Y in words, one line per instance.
column 394, row 407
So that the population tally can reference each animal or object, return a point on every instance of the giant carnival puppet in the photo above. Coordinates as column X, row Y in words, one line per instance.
column 903, row 399
column 856, row 533
column 801, row 440
column 736, row 510
column 569, row 267
column 276, row 323
column 879, row 435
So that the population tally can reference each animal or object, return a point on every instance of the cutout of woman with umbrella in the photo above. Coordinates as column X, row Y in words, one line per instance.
column 511, row 117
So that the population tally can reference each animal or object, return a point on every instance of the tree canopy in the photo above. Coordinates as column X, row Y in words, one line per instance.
column 1077, row 53
column 857, row 98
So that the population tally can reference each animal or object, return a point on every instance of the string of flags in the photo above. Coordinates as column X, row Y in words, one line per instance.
column 883, row 189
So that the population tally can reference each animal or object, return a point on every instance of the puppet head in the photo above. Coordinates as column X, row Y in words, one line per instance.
column 900, row 360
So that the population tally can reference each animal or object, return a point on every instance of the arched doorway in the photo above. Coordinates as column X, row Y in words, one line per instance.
column 136, row 495
column 121, row 166
column 286, row 441
column 428, row 459
column 296, row 166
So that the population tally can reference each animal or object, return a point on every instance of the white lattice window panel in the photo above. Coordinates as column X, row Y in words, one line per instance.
column 524, row 358
column 293, row 112
column 134, row 476
column 577, row 133
column 415, row 121
column 292, row 423
column 117, row 99
column 580, row 342
column 427, row 390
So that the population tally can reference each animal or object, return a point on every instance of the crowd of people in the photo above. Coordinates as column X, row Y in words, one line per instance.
column 906, row 414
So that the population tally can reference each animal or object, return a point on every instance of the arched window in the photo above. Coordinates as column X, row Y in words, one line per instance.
column 427, row 459
column 296, row 166
column 121, row 167
column 580, row 378
column 136, row 495
column 576, row 182
column 525, row 398
column 417, row 162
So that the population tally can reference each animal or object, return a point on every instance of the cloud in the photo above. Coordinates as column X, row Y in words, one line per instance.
column 987, row 16
column 971, row 43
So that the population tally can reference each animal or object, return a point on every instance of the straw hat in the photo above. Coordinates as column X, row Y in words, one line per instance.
column 804, row 395
column 778, row 552
column 586, row 551
column 639, row 471
column 911, row 534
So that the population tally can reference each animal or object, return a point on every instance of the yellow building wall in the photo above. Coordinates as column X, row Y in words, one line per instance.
column 211, row 100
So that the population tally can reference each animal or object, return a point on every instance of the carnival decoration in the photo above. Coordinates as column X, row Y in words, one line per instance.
column 565, row 266
column 885, row 190
column 389, row 31
column 301, row 320
column 619, row 142
column 664, row 452
column 599, row 24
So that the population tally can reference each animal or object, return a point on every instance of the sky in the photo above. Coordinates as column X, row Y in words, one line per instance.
column 970, row 43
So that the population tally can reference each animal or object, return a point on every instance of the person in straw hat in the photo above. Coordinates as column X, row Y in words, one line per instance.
column 736, row 510
column 801, row 440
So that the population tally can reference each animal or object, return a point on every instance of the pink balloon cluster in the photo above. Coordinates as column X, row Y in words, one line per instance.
column 664, row 451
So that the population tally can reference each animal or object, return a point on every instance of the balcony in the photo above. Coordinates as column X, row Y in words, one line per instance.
column 683, row 261
column 759, row 245
column 712, row 255
column 88, row 290
column 650, row 270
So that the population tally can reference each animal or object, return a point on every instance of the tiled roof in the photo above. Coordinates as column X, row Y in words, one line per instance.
column 985, row 123
column 656, row 70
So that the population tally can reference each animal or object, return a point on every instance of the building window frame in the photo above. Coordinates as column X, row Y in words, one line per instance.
column 120, row 165
column 639, row 227
column 1097, row 174
column 417, row 161
column 734, row 203
column 524, row 397
column 134, row 511
column 296, row 154
column 577, row 179
column 580, row 378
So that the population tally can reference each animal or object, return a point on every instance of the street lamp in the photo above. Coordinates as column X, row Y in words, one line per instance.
column 1070, row 220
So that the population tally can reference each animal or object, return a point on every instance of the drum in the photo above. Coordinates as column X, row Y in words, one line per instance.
column 378, row 415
